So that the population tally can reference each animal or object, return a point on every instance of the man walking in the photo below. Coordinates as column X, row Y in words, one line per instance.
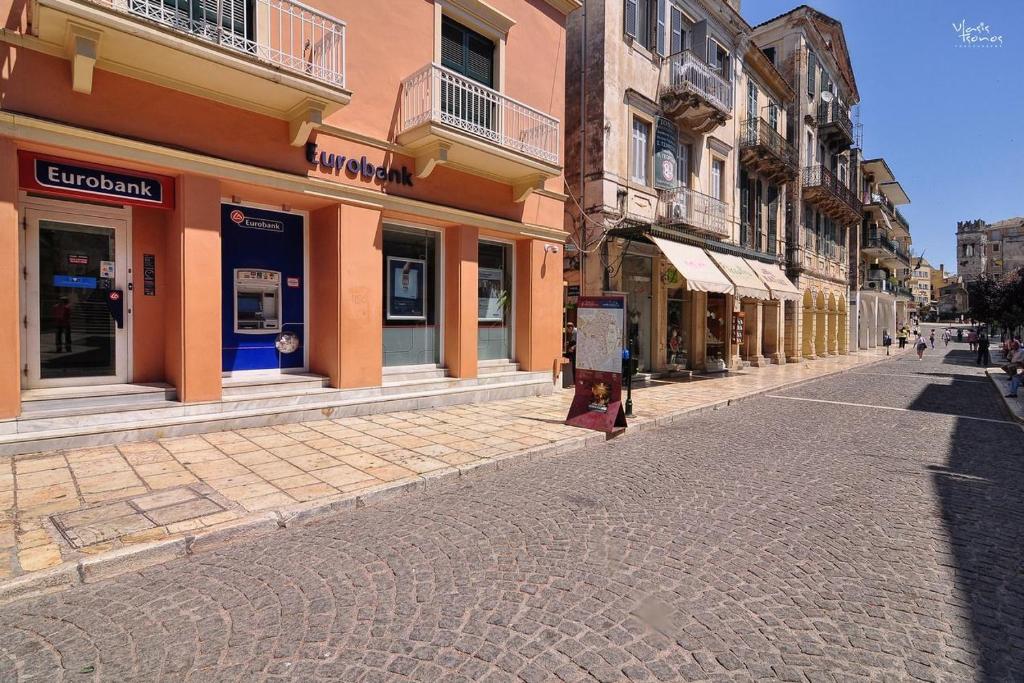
column 886, row 341
column 931, row 339
column 984, row 360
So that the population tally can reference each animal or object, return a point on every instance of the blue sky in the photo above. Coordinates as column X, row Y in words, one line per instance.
column 949, row 120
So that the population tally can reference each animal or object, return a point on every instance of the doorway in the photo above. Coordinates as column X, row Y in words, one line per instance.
column 76, row 277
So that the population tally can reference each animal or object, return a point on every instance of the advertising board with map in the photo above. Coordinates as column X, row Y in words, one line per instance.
column 597, row 403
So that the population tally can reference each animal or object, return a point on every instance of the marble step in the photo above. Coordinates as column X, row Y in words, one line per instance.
column 95, row 396
column 491, row 367
column 413, row 372
column 163, row 424
column 247, row 385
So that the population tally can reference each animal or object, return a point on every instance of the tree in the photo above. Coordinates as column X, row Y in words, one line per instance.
column 984, row 299
column 1011, row 300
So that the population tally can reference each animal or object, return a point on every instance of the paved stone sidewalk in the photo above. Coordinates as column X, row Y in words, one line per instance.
column 66, row 506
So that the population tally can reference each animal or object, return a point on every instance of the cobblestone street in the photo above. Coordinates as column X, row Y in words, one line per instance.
column 867, row 525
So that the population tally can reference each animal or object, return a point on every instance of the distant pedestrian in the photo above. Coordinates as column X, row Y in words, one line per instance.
column 960, row 334
column 984, row 360
column 886, row 341
column 931, row 340
column 972, row 340
column 945, row 337
column 921, row 346
column 570, row 347
column 901, row 335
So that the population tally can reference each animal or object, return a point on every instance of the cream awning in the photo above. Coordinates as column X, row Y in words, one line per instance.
column 748, row 284
column 701, row 273
column 778, row 283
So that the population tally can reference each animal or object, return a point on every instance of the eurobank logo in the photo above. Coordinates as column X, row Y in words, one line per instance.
column 356, row 168
column 239, row 218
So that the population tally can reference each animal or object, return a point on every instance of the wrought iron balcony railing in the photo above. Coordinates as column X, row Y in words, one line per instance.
column 818, row 176
column 439, row 95
column 836, row 114
column 689, row 73
column 759, row 133
column 901, row 219
column 281, row 33
column 683, row 207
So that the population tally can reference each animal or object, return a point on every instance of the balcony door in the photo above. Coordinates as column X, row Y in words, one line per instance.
column 220, row 21
column 470, row 55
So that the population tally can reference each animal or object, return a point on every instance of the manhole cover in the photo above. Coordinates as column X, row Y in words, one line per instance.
column 107, row 521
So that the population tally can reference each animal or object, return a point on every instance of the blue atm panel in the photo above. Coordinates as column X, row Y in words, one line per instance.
column 263, row 282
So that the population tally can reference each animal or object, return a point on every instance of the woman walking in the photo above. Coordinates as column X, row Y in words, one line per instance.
column 921, row 346
column 901, row 335
column 931, row 340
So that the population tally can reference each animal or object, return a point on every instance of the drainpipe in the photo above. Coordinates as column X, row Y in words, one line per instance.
column 583, row 151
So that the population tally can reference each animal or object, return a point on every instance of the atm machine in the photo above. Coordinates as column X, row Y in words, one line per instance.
column 257, row 301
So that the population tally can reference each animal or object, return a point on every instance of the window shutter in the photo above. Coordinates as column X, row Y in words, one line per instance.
column 480, row 59
column 744, row 207
column 676, row 29
column 631, row 18
column 773, row 210
column 659, row 26
column 452, row 39
column 812, row 68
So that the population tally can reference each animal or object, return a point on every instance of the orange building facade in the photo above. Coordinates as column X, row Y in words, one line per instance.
column 195, row 191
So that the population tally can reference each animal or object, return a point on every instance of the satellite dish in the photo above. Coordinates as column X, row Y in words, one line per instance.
column 827, row 97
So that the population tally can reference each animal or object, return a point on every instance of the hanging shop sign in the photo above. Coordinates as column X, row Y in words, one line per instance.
column 666, row 142
column 68, row 178
column 597, row 374
column 356, row 168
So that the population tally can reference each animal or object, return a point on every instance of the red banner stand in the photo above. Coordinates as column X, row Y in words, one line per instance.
column 597, row 404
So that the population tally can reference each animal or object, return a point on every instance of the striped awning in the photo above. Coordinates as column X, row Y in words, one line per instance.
column 737, row 269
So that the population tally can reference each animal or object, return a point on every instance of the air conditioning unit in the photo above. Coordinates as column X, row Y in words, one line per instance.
column 677, row 210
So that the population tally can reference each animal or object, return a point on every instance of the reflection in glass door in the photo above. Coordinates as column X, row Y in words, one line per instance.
column 72, row 336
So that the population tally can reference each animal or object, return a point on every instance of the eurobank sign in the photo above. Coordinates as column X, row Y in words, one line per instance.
column 356, row 167
column 68, row 178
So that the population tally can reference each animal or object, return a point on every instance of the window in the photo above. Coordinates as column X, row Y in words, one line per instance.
column 773, row 213
column 752, row 101
column 810, row 149
column 678, row 31
column 641, row 134
column 773, row 116
column 757, row 197
column 812, row 68
column 995, row 247
column 683, row 165
column 718, row 59
column 466, row 52
column 644, row 24
column 769, row 52
column 411, row 284
column 717, row 172
column 494, row 301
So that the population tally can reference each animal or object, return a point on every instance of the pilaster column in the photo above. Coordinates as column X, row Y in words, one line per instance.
column 461, row 251
column 538, row 304
column 194, row 342
column 10, row 283
column 345, row 261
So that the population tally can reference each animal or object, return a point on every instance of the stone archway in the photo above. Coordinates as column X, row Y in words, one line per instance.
column 832, row 312
column 808, row 324
column 844, row 326
column 821, row 325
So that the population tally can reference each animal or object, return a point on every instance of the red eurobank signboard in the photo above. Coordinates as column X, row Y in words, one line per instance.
column 83, row 180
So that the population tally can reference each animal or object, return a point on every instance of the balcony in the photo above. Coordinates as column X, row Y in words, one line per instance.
column 901, row 220
column 835, row 128
column 883, row 249
column 764, row 151
column 449, row 119
column 694, row 94
column 822, row 188
column 685, row 209
column 276, row 57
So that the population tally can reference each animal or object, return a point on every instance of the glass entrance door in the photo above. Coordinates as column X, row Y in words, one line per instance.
column 72, row 263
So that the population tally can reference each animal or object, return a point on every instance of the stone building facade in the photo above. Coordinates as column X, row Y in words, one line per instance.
column 990, row 249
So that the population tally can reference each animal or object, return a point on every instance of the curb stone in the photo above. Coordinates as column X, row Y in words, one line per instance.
column 1016, row 411
column 136, row 557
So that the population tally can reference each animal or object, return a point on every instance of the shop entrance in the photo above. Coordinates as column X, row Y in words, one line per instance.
column 77, row 302
column 636, row 276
